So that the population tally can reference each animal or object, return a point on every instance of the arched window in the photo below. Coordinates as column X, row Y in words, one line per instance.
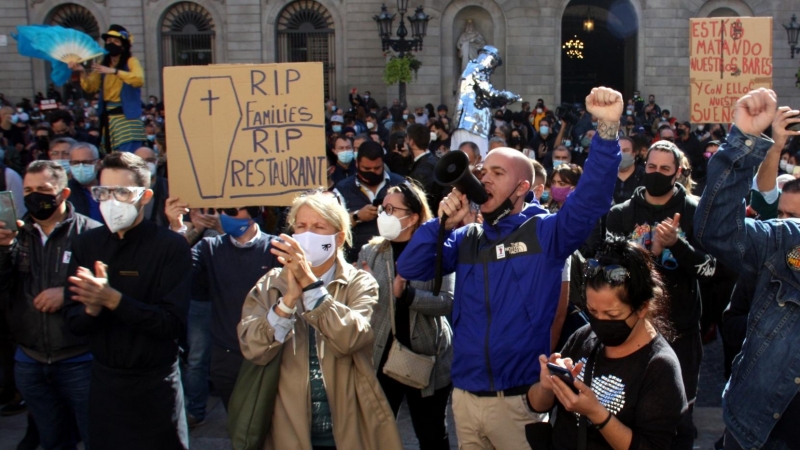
column 306, row 33
column 187, row 36
column 76, row 17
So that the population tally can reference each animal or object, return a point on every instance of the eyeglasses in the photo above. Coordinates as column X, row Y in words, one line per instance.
column 390, row 209
column 614, row 274
column 120, row 193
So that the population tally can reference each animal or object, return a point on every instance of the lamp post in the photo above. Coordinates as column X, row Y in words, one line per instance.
column 401, row 45
column 792, row 31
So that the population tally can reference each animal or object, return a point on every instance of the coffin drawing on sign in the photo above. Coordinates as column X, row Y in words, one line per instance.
column 210, row 112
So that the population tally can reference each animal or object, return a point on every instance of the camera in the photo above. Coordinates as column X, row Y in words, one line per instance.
column 568, row 112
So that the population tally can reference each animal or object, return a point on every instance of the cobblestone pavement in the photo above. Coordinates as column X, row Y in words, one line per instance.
column 212, row 435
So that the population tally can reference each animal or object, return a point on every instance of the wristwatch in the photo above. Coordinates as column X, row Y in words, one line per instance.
column 355, row 218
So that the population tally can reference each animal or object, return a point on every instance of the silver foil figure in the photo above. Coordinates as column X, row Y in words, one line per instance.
column 476, row 97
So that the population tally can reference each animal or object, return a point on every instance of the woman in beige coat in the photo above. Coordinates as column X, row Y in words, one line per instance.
column 319, row 308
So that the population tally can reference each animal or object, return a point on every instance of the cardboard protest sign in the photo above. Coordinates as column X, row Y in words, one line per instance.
column 728, row 57
column 241, row 135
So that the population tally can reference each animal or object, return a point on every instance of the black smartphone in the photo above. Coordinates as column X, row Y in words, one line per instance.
column 8, row 213
column 563, row 374
column 794, row 126
column 377, row 202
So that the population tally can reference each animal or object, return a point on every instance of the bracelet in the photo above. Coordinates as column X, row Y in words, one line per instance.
column 600, row 426
column 285, row 308
column 314, row 285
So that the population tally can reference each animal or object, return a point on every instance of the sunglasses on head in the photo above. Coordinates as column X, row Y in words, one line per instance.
column 614, row 273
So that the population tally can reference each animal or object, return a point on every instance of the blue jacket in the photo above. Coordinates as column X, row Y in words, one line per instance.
column 766, row 373
column 508, row 278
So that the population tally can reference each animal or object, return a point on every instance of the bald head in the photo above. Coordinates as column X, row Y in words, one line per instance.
column 516, row 164
column 145, row 153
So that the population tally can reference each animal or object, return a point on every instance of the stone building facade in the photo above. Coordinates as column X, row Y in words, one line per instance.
column 529, row 33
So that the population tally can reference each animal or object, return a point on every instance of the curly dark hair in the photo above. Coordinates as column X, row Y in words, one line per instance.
column 644, row 286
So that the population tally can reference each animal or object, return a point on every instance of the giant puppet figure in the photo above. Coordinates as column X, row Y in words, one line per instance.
column 476, row 97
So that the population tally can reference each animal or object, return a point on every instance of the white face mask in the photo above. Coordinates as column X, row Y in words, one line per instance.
column 434, row 136
column 370, row 125
column 789, row 168
column 153, row 168
column 389, row 226
column 318, row 247
column 782, row 165
column 118, row 215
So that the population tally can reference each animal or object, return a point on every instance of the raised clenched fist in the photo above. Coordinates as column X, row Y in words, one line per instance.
column 605, row 103
column 755, row 111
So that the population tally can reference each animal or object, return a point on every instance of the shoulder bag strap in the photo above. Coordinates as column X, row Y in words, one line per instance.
column 587, row 380
column 391, row 298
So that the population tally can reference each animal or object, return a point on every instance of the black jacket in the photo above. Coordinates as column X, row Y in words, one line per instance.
column 160, row 195
column 78, row 199
column 422, row 171
column 681, row 265
column 623, row 190
column 26, row 269
column 152, row 269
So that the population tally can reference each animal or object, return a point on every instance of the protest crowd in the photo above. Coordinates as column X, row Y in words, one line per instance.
column 615, row 241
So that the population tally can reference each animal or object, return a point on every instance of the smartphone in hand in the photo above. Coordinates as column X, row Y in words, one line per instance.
column 8, row 213
column 563, row 374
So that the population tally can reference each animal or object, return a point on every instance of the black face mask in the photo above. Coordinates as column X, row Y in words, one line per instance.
column 503, row 210
column 43, row 142
column 64, row 135
column 113, row 49
column 658, row 184
column 41, row 206
column 611, row 333
column 370, row 178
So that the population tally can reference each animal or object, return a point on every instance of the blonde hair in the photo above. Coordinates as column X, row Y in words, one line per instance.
column 328, row 207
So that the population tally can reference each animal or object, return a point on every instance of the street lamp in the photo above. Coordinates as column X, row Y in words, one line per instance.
column 792, row 31
column 401, row 45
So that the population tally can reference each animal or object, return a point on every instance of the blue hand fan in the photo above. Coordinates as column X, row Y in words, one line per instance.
column 58, row 45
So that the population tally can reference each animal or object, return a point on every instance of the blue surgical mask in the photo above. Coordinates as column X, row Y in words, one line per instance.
column 151, row 137
column 594, row 124
column 14, row 119
column 405, row 116
column 345, row 157
column 545, row 197
column 568, row 143
column 544, row 129
column 233, row 226
column 63, row 163
column 84, row 173
column 333, row 108
column 557, row 162
column 336, row 128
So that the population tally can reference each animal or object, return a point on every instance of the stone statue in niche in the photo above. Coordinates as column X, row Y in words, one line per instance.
column 469, row 43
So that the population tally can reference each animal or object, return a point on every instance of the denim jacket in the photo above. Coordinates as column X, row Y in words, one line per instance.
column 766, row 373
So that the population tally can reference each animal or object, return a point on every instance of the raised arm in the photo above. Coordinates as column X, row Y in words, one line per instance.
column 720, row 224
column 564, row 232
